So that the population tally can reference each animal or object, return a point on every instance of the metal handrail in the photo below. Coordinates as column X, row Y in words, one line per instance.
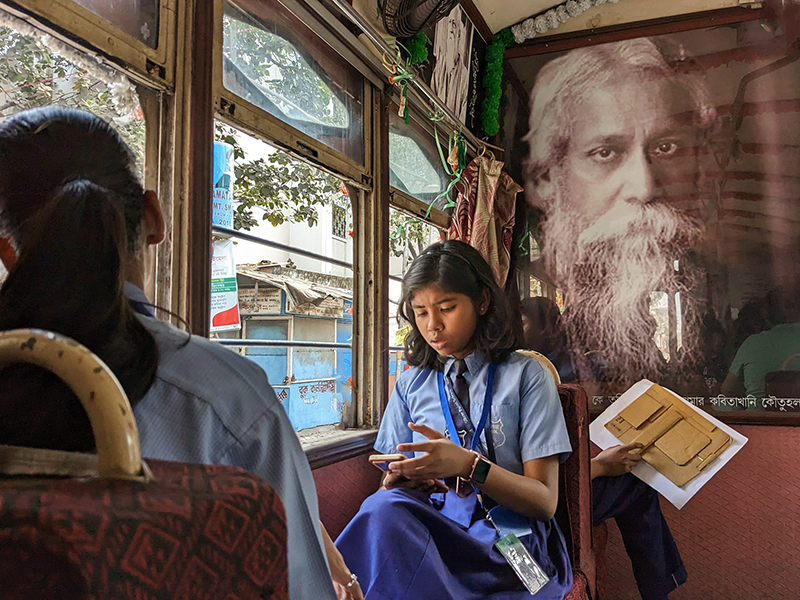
column 283, row 344
column 257, row 240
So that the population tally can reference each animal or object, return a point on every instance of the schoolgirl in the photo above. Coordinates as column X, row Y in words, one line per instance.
column 485, row 419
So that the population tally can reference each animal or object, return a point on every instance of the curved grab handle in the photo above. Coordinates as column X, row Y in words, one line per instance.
column 100, row 393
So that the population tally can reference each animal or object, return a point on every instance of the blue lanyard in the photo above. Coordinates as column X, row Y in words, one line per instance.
column 487, row 409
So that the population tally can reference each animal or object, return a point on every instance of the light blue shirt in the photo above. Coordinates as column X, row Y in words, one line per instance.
column 527, row 420
column 209, row 405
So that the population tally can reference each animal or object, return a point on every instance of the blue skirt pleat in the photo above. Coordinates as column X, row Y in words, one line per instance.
column 405, row 545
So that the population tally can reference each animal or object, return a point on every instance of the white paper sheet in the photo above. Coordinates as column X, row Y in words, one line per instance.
column 678, row 496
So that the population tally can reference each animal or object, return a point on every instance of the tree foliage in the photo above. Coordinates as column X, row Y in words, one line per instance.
column 282, row 73
column 33, row 75
column 279, row 187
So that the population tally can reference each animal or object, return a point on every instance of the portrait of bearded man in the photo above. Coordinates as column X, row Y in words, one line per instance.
column 617, row 137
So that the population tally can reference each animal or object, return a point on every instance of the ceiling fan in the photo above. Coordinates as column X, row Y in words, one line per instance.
column 406, row 18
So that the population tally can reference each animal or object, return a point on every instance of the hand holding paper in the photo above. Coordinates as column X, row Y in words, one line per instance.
column 683, row 447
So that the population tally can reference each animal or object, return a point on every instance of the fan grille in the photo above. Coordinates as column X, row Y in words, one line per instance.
column 406, row 18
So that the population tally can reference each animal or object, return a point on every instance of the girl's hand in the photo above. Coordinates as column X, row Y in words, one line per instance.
column 443, row 458
column 346, row 588
column 615, row 461
column 427, row 486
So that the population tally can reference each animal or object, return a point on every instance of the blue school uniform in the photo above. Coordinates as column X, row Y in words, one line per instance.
column 403, row 544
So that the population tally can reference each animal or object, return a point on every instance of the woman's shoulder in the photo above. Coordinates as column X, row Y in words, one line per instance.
column 205, row 368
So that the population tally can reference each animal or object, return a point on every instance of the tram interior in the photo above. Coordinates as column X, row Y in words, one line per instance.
column 626, row 168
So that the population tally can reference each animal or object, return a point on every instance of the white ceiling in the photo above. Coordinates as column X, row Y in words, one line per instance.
column 502, row 13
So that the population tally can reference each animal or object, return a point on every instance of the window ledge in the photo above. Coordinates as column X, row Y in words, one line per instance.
column 328, row 444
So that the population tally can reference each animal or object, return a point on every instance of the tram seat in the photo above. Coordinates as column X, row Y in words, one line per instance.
column 79, row 526
column 574, row 512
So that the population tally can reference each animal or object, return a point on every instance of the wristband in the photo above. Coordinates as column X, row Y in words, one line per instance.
column 477, row 458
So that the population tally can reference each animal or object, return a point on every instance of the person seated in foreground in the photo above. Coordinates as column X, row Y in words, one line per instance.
column 74, row 222
column 410, row 542
column 616, row 493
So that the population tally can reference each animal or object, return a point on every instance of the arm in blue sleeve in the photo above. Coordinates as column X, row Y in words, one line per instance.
column 271, row 450
column 543, row 431
column 394, row 424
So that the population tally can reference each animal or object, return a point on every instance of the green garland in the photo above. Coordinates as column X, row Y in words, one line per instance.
column 415, row 49
column 493, row 81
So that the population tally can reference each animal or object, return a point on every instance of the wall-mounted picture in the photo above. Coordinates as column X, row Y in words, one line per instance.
column 665, row 175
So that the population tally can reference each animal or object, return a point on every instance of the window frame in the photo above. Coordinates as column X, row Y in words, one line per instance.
column 79, row 26
column 252, row 119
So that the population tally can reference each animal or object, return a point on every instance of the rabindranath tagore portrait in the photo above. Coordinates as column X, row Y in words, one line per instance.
column 670, row 214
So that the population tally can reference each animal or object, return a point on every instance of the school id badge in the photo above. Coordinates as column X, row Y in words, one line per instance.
column 517, row 555
column 509, row 525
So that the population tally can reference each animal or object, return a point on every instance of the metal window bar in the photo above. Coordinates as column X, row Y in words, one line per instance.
column 283, row 344
column 291, row 344
column 257, row 240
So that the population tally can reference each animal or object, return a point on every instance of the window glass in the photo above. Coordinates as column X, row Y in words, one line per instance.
column 137, row 18
column 279, row 293
column 415, row 166
column 275, row 62
column 32, row 74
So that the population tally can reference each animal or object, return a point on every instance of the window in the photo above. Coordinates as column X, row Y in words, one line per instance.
column 294, row 290
column 273, row 61
column 339, row 221
column 415, row 167
column 33, row 74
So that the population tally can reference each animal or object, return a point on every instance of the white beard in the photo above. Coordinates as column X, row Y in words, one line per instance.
column 608, row 270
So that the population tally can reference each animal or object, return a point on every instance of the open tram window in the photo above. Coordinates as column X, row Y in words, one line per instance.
column 34, row 72
column 276, row 63
column 409, row 237
column 282, row 285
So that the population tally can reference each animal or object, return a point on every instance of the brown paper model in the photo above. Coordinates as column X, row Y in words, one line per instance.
column 678, row 442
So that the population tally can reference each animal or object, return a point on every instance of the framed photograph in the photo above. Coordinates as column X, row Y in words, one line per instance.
column 664, row 178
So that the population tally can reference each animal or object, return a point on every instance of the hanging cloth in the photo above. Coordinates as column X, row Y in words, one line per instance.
column 484, row 213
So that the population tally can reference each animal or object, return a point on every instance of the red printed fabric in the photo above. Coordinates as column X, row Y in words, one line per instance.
column 485, row 211
column 580, row 590
column 194, row 532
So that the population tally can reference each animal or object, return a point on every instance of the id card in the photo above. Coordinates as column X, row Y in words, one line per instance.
column 522, row 562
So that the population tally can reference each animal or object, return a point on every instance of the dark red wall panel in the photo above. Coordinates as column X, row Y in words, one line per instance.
column 740, row 535
column 341, row 488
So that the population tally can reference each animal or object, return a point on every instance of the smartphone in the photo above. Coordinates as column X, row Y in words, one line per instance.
column 382, row 460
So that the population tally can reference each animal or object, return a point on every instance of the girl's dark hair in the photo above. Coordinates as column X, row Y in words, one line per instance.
column 71, row 198
column 458, row 267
